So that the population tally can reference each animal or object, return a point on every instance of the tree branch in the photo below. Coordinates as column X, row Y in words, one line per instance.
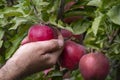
column 61, row 10
column 34, row 7
column 112, row 37
column 10, row 2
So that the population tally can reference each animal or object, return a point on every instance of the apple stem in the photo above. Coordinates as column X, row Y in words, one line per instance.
column 91, row 50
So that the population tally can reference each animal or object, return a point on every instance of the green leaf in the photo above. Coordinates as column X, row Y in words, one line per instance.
column 87, row 11
column 96, row 3
column 52, row 21
column 1, row 33
column 114, row 14
column 1, row 36
column 2, row 61
column 80, row 27
column 1, row 42
column 91, row 41
column 16, row 41
column 3, row 22
column 18, row 21
column 13, row 12
column 96, row 24
column 60, row 24
column 56, row 74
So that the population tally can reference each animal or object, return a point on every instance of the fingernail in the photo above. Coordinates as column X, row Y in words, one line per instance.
column 60, row 42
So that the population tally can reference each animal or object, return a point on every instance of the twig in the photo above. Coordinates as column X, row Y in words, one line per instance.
column 35, row 9
column 10, row 2
column 60, row 10
column 112, row 37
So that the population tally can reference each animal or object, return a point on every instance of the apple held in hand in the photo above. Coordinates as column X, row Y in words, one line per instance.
column 94, row 66
column 71, row 55
column 40, row 32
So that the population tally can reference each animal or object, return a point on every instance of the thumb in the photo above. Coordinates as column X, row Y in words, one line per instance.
column 25, row 40
column 48, row 46
column 55, row 44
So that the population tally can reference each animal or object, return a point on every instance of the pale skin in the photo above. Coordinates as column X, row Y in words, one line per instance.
column 31, row 58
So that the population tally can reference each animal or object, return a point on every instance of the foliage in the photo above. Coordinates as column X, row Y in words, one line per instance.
column 100, row 23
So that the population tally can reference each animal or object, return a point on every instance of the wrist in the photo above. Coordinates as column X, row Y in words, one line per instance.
column 11, row 71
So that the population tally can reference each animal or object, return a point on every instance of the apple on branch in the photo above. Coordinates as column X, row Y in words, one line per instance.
column 94, row 66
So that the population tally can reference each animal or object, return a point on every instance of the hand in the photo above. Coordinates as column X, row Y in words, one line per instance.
column 34, row 57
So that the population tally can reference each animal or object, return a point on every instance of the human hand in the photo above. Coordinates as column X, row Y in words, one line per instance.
column 34, row 57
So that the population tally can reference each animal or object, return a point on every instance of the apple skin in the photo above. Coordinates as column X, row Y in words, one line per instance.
column 69, row 5
column 71, row 55
column 71, row 19
column 94, row 66
column 66, row 34
column 40, row 32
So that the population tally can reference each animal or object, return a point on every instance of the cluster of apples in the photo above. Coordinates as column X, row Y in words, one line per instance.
column 93, row 66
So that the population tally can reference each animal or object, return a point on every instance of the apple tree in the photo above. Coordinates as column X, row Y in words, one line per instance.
column 98, row 21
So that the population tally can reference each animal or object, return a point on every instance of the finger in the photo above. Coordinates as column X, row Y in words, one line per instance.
column 55, row 44
column 60, row 38
column 56, row 53
column 50, row 46
column 44, row 46
column 25, row 40
column 53, row 57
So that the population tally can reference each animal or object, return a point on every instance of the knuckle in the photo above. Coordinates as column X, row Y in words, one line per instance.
column 54, row 43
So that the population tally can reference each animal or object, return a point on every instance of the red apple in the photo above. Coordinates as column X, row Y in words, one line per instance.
column 69, row 5
column 71, row 55
column 79, row 36
column 40, row 32
column 65, row 33
column 94, row 66
column 71, row 19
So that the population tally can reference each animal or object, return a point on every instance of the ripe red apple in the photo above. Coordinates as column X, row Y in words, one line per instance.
column 40, row 32
column 79, row 36
column 71, row 19
column 94, row 66
column 65, row 33
column 71, row 55
column 69, row 5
